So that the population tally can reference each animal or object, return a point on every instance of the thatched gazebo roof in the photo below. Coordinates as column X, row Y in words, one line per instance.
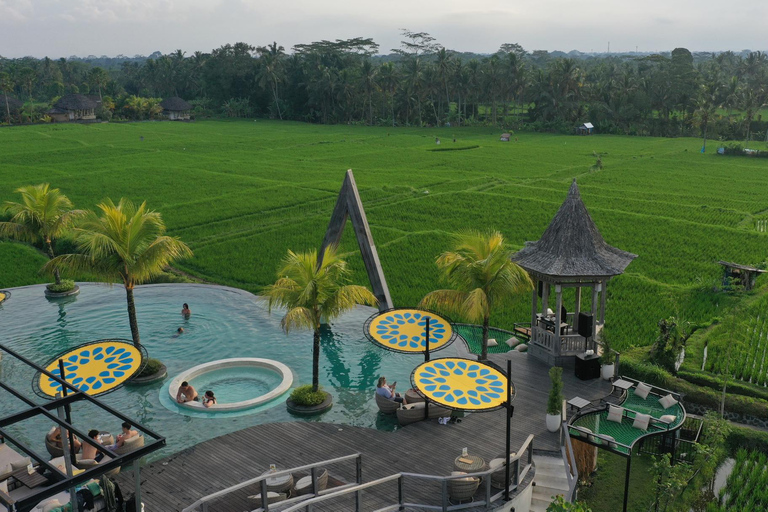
column 175, row 104
column 572, row 246
column 75, row 102
column 13, row 103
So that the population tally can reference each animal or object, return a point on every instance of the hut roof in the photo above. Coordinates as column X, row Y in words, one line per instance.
column 587, row 125
column 175, row 104
column 13, row 103
column 75, row 102
column 506, row 135
column 742, row 267
column 572, row 246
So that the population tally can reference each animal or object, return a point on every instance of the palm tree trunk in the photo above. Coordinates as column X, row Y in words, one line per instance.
column 7, row 108
column 316, row 361
column 277, row 103
column 56, row 273
column 704, row 147
column 484, row 351
column 132, row 316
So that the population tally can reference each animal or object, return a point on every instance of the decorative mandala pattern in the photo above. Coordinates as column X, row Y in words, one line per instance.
column 404, row 330
column 94, row 368
column 461, row 383
column 4, row 295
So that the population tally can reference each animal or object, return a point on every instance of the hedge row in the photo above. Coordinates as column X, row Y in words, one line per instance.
column 747, row 438
column 652, row 374
column 734, row 386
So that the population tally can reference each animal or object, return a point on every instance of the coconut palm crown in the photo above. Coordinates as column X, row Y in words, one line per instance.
column 481, row 275
column 124, row 243
column 43, row 214
column 314, row 294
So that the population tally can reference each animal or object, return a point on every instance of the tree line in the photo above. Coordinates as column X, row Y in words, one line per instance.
column 422, row 83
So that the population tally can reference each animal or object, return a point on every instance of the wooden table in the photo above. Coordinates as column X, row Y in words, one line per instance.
column 30, row 480
column 578, row 402
column 622, row 385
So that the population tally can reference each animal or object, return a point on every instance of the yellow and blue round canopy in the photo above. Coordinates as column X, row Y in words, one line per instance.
column 4, row 295
column 461, row 384
column 404, row 330
column 94, row 368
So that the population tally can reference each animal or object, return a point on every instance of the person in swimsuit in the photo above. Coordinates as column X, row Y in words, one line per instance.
column 186, row 393
column 91, row 452
column 209, row 399
column 185, row 311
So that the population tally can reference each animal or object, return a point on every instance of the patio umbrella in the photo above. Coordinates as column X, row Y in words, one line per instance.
column 471, row 386
column 410, row 331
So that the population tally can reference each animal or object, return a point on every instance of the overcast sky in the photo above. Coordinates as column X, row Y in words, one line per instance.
column 60, row 28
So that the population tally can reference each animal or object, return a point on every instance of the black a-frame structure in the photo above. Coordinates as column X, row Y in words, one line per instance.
column 349, row 205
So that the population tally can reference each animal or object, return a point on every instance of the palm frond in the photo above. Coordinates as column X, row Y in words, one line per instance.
column 298, row 318
column 449, row 302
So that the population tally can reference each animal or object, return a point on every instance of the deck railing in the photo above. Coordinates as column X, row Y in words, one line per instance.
column 566, row 448
column 520, row 465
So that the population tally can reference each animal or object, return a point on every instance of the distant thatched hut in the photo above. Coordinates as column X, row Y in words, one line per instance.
column 73, row 107
column 9, row 106
column 176, row 109
column 505, row 137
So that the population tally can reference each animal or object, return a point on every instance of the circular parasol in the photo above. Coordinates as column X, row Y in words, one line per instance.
column 4, row 294
column 94, row 368
column 462, row 384
column 404, row 330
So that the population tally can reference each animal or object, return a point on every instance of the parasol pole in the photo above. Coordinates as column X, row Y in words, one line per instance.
column 509, row 411
column 67, row 441
column 426, row 360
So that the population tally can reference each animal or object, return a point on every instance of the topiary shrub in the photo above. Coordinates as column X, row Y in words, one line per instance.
column 555, row 401
column 66, row 285
column 303, row 395
column 152, row 367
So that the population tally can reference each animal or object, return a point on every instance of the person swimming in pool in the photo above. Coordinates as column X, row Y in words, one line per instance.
column 209, row 399
column 179, row 332
column 185, row 311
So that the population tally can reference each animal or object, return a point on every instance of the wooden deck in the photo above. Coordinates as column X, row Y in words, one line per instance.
column 424, row 447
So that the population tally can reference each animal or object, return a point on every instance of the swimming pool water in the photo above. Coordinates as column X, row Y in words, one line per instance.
column 225, row 323
column 237, row 384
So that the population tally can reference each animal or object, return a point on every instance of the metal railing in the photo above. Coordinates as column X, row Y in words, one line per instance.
column 518, row 472
column 566, row 449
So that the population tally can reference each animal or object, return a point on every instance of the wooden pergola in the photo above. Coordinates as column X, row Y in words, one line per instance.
column 570, row 254
column 743, row 275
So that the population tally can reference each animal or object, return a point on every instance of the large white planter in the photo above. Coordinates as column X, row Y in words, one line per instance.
column 607, row 371
column 553, row 422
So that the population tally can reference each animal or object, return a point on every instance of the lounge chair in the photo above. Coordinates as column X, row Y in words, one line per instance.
column 130, row 445
column 386, row 405
column 411, row 413
column 90, row 463
column 304, row 485
column 499, row 464
column 53, row 448
column 10, row 456
column 462, row 489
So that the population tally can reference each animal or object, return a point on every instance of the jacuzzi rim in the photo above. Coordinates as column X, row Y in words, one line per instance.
column 236, row 362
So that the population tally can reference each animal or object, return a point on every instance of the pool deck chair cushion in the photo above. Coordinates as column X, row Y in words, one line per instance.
column 667, row 401
column 492, row 342
column 512, row 342
column 642, row 390
column 607, row 440
column 615, row 413
column 641, row 421
column 668, row 418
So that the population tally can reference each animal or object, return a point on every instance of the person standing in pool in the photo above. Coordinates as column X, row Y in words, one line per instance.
column 186, row 393
column 209, row 399
column 185, row 312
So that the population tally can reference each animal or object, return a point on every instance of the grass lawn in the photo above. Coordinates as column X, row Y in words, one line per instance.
column 606, row 494
column 241, row 193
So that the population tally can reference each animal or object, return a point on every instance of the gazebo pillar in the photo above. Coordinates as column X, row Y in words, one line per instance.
column 558, row 316
column 595, row 298
column 603, row 296
column 545, row 298
column 534, row 302
column 578, row 308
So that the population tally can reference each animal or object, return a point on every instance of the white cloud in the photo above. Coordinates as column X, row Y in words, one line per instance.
column 15, row 10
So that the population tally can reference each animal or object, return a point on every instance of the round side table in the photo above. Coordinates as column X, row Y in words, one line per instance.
column 476, row 464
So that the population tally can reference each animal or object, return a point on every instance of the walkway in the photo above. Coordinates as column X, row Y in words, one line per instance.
column 425, row 447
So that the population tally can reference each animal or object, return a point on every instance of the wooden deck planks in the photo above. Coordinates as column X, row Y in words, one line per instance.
column 425, row 447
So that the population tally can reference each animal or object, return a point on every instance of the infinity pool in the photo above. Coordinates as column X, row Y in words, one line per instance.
column 225, row 323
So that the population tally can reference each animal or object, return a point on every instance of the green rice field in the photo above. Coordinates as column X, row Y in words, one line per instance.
column 241, row 193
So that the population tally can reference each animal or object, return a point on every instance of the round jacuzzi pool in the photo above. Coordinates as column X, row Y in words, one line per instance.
column 238, row 383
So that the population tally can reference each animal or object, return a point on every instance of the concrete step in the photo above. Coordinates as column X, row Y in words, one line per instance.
column 539, row 505
column 546, row 493
column 551, row 482
column 551, row 471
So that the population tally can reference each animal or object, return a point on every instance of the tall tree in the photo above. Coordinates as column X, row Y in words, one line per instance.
column 314, row 294
column 6, row 85
column 482, row 277
column 43, row 215
column 271, row 70
column 125, row 243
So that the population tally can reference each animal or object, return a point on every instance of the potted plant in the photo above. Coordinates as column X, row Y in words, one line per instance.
column 555, row 401
column 607, row 359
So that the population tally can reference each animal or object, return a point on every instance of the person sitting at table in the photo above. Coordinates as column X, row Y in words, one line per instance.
column 54, row 437
column 388, row 392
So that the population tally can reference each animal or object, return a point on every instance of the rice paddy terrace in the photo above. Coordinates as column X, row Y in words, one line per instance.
column 242, row 193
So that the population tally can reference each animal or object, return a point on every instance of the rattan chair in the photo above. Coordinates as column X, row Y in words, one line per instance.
column 130, row 445
column 386, row 405
column 411, row 413
column 304, row 485
column 462, row 489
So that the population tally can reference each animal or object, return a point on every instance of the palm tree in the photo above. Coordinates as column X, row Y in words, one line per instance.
column 6, row 85
column 43, row 215
column 482, row 275
column 313, row 293
column 125, row 243
column 271, row 71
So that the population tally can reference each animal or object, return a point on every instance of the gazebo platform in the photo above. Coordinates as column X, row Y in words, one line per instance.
column 425, row 447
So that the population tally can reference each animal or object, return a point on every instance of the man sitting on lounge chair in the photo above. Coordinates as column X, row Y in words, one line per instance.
column 122, row 438
column 91, row 452
column 54, row 437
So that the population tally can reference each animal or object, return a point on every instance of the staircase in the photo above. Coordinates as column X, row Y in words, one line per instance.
column 550, row 480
